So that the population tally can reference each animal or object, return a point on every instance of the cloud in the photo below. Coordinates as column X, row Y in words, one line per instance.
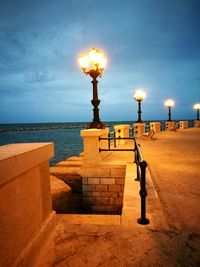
column 39, row 77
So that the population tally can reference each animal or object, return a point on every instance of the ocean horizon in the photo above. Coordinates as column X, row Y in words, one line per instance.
column 65, row 136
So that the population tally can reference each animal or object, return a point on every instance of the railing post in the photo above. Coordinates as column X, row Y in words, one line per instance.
column 114, row 139
column 136, row 161
column 109, row 141
column 143, row 193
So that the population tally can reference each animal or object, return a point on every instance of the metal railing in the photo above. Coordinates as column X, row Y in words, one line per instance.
column 141, row 165
column 111, row 137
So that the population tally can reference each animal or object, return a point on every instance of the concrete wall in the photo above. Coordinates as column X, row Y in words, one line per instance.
column 26, row 216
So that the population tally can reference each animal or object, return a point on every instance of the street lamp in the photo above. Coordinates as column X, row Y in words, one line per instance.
column 169, row 103
column 93, row 63
column 139, row 96
column 197, row 107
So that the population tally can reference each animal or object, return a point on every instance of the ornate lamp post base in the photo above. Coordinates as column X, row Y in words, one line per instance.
column 97, row 125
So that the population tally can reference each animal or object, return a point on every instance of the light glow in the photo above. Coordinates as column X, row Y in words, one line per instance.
column 93, row 60
column 84, row 61
column 139, row 95
column 169, row 103
column 197, row 106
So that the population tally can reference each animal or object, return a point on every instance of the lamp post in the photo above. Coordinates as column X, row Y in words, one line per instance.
column 139, row 96
column 197, row 107
column 93, row 63
column 169, row 103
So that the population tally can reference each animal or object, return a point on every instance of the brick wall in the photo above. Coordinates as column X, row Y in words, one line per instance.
column 103, row 189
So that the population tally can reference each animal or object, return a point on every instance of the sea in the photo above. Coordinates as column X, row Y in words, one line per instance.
column 65, row 136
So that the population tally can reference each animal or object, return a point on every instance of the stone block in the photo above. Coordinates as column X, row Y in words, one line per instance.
column 120, row 181
column 88, row 187
column 119, row 201
column 115, row 188
column 102, row 201
column 118, row 172
column 107, row 181
column 93, row 181
column 101, row 188
column 109, row 194
column 96, row 194
column 94, row 172
column 112, row 201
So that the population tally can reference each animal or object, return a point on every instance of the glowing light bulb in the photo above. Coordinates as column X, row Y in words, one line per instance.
column 139, row 94
column 197, row 106
column 169, row 103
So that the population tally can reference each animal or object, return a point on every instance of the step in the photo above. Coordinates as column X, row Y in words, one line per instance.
column 88, row 219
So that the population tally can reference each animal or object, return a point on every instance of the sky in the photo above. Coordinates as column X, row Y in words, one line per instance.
column 150, row 44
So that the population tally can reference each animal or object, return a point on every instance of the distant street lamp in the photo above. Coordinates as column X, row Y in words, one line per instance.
column 93, row 63
column 197, row 107
column 139, row 96
column 169, row 103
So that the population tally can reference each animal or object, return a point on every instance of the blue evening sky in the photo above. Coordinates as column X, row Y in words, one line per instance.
column 154, row 44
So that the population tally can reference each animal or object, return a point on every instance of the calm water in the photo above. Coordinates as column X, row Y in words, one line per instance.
column 67, row 142
column 66, row 136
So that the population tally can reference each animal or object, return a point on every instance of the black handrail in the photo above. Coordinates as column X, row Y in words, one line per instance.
column 141, row 165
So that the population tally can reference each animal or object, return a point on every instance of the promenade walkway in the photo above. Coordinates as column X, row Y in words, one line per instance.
column 173, row 204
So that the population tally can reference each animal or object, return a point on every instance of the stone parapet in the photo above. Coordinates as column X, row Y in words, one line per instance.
column 183, row 124
column 26, row 216
column 139, row 129
column 169, row 125
column 91, row 144
column 122, row 130
column 155, row 126
column 197, row 124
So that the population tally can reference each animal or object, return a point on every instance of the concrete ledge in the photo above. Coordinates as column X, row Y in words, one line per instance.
column 16, row 159
column 69, row 163
column 94, row 132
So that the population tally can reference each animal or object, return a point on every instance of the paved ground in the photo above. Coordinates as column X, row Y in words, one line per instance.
column 174, row 160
